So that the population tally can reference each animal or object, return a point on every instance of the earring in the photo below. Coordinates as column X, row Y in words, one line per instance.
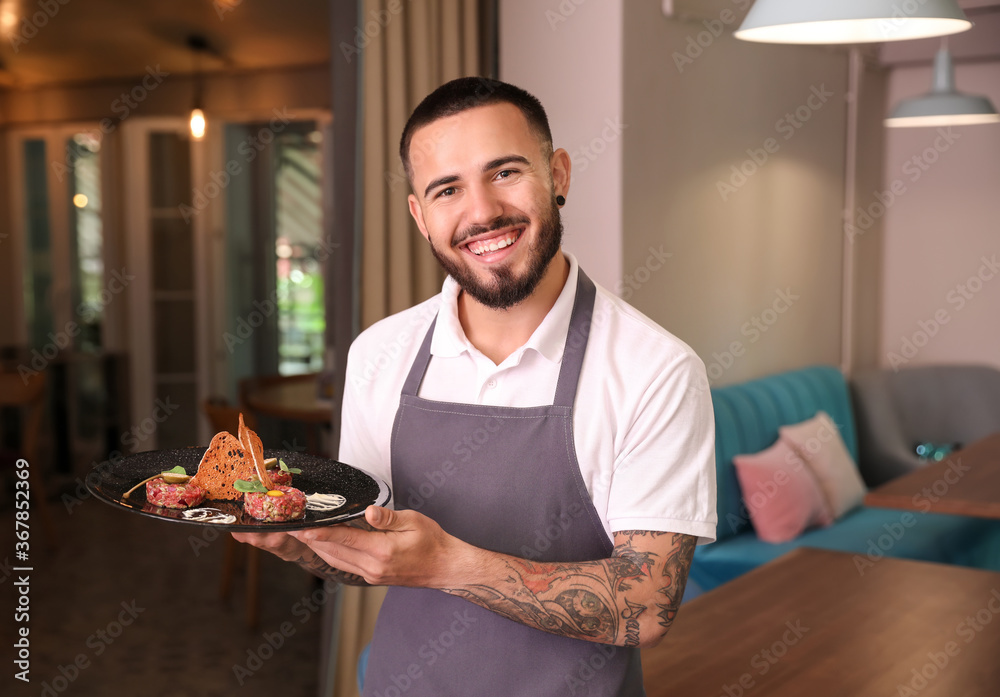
column 561, row 200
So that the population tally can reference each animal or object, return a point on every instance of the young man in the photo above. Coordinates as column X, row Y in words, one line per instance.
column 550, row 449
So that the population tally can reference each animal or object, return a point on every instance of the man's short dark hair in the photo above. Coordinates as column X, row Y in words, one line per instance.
column 467, row 93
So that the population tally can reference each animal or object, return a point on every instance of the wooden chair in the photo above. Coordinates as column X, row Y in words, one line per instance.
column 225, row 417
column 28, row 394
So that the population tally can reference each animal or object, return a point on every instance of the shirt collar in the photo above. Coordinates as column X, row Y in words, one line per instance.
column 548, row 339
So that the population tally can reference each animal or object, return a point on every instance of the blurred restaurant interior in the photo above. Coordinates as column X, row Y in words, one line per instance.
column 201, row 206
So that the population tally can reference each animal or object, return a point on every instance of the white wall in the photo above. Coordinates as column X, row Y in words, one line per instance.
column 941, row 301
column 702, row 104
column 647, row 217
column 569, row 55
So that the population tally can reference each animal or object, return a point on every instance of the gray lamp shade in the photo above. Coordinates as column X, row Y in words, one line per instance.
column 943, row 105
column 850, row 21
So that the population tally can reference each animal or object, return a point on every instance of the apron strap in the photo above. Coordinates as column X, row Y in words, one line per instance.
column 573, row 350
column 419, row 367
column 576, row 341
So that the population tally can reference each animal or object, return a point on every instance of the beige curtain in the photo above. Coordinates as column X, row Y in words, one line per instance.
column 413, row 47
column 423, row 45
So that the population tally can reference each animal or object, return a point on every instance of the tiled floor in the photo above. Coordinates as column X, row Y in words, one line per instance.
column 129, row 605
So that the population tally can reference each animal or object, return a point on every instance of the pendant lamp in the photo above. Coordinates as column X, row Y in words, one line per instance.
column 850, row 21
column 943, row 105
column 196, row 122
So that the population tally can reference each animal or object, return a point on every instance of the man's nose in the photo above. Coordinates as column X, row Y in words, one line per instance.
column 484, row 206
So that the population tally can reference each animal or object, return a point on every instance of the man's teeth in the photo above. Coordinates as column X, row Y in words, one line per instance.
column 493, row 245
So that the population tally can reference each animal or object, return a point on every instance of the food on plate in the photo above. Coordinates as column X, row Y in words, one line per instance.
column 171, row 489
column 279, row 505
column 280, row 473
column 229, row 459
column 251, row 444
column 160, row 492
column 233, row 468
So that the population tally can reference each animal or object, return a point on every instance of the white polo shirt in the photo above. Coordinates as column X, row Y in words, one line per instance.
column 642, row 420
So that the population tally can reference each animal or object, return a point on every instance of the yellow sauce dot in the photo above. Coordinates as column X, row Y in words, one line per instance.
column 275, row 492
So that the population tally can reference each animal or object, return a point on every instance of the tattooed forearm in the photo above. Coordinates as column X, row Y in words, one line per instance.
column 567, row 599
column 675, row 572
column 603, row 601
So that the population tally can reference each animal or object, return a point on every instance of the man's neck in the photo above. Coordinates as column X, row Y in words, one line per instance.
column 498, row 333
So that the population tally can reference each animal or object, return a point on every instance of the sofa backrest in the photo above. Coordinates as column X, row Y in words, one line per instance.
column 747, row 417
column 943, row 404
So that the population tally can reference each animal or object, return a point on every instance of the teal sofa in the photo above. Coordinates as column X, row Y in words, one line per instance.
column 747, row 417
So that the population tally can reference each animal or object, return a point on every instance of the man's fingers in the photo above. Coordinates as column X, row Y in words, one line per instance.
column 381, row 518
column 338, row 535
column 334, row 551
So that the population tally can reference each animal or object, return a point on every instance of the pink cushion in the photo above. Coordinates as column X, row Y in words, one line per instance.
column 818, row 442
column 781, row 493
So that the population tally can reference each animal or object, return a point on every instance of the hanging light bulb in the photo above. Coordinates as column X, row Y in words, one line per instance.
column 197, row 124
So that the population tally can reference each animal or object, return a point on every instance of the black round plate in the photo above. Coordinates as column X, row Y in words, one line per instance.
column 319, row 475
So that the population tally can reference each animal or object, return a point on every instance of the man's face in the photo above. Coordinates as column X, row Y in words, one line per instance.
column 484, row 197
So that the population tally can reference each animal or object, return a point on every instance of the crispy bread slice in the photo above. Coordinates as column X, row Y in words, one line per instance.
column 223, row 463
column 255, row 449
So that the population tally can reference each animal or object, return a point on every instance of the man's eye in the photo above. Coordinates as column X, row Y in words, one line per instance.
column 505, row 173
column 450, row 191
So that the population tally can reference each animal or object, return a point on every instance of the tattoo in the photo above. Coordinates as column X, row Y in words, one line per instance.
column 599, row 601
column 675, row 572
column 631, row 614
column 567, row 599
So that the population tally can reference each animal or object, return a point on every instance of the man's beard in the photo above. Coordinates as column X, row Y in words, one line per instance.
column 505, row 289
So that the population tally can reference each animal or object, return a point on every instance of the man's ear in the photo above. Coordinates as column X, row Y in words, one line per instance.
column 418, row 215
column 560, row 166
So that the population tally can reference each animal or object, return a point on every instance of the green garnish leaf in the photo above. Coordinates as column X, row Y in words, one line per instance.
column 286, row 468
column 176, row 470
column 249, row 487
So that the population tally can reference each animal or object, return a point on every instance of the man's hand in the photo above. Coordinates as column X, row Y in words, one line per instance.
column 280, row 544
column 402, row 548
column 284, row 546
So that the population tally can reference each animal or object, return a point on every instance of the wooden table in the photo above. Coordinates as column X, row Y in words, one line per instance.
column 809, row 623
column 967, row 482
column 292, row 398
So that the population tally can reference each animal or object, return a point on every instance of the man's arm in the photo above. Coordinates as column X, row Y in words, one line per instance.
column 628, row 599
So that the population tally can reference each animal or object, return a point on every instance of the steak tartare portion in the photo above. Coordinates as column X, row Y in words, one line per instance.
column 281, row 504
column 161, row 493
column 280, row 477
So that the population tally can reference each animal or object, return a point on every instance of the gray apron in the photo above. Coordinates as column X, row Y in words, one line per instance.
column 504, row 479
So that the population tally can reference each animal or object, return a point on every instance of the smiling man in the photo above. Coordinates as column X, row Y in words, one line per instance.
column 551, row 450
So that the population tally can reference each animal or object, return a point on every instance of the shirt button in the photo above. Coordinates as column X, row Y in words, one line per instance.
column 491, row 384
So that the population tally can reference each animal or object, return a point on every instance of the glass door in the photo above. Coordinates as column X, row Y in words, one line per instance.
column 274, row 207
column 167, row 298
column 60, row 233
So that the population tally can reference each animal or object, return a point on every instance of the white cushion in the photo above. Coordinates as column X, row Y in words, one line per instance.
column 818, row 442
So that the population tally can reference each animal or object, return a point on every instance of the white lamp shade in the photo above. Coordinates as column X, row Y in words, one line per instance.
column 943, row 105
column 850, row 21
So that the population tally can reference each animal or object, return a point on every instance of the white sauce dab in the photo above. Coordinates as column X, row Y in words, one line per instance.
column 324, row 503
column 209, row 515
